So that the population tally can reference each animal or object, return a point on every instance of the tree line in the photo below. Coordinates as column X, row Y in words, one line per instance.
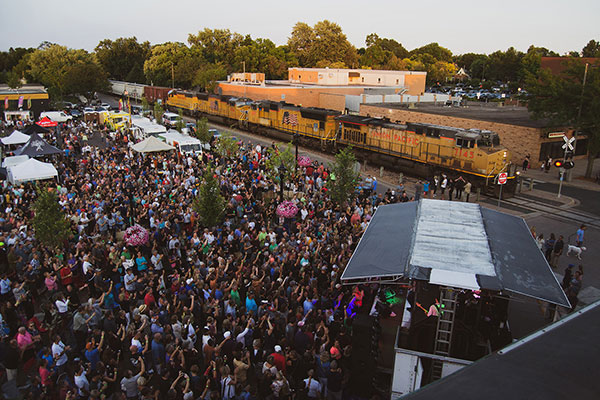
column 211, row 54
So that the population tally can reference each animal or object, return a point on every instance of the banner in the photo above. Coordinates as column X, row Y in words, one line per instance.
column 21, row 98
column 6, row 103
column 28, row 103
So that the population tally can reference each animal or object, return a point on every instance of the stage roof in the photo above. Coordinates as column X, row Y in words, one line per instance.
column 556, row 362
column 453, row 244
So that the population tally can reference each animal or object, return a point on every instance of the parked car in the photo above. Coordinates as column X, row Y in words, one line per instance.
column 75, row 113
column 56, row 116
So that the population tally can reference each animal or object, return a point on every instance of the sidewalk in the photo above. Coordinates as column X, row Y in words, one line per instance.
column 577, row 174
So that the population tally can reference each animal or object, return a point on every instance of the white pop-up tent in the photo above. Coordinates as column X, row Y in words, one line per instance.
column 30, row 170
column 17, row 137
column 151, row 144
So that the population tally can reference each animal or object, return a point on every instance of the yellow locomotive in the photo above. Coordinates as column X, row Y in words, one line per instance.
column 423, row 148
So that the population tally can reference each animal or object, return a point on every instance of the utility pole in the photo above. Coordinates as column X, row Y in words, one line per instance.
column 577, row 124
column 172, row 77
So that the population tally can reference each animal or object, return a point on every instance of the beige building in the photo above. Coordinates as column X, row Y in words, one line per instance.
column 412, row 81
column 335, row 89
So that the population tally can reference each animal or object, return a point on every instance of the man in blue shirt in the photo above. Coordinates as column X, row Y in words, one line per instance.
column 92, row 354
column 158, row 352
column 580, row 233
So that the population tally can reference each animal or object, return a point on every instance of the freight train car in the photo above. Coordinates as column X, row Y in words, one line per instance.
column 132, row 90
column 422, row 149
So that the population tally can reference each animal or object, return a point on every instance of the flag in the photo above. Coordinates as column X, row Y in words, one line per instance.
column 120, row 104
column 6, row 103
column 29, row 103
column 21, row 98
column 290, row 119
column 129, row 105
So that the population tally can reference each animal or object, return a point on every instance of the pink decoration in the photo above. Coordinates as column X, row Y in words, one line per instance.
column 136, row 236
column 304, row 161
column 287, row 209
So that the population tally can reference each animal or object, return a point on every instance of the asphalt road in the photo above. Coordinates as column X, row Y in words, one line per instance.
column 589, row 199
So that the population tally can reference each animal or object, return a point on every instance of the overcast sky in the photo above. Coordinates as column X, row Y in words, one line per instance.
column 481, row 26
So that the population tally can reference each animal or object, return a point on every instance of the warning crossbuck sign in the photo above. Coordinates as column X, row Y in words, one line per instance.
column 502, row 178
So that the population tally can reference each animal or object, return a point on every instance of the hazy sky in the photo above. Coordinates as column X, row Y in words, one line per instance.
column 460, row 25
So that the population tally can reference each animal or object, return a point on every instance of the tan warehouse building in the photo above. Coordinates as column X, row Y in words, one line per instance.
column 521, row 134
column 325, row 88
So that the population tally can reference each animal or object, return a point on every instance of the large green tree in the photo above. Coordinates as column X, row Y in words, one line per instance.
column 565, row 101
column 123, row 59
column 207, row 76
column 591, row 49
column 50, row 224
column 209, row 203
column 172, row 63
column 324, row 44
column 66, row 71
column 343, row 178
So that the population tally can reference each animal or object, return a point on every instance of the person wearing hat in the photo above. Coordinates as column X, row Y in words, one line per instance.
column 279, row 358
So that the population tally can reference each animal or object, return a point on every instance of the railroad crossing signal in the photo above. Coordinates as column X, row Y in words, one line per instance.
column 568, row 143
column 502, row 176
column 558, row 163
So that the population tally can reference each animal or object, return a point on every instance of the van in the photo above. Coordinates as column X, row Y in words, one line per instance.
column 185, row 144
column 170, row 119
column 56, row 116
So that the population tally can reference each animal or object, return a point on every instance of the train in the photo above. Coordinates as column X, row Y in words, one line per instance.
column 419, row 149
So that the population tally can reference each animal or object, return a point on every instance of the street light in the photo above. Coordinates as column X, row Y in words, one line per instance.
column 282, row 171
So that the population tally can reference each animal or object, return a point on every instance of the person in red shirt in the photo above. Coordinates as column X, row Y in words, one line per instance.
column 279, row 359
column 149, row 299
column 66, row 275
column 45, row 375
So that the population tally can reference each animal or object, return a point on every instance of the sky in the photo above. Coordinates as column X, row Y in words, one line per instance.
column 462, row 26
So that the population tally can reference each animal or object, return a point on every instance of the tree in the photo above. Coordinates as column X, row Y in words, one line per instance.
column 226, row 145
column 50, row 224
column 66, row 71
column 438, row 52
column 209, row 203
column 343, row 179
column 123, row 59
column 591, row 49
column 172, row 61
column 566, row 102
column 218, row 46
column 158, row 112
column 208, row 75
column 180, row 123
column 145, row 104
column 202, row 131
column 281, row 155
column 13, row 81
column 324, row 44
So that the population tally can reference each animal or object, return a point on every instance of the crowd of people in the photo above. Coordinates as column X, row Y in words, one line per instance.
column 553, row 249
column 250, row 309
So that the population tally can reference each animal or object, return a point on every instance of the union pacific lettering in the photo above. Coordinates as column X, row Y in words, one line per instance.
column 397, row 137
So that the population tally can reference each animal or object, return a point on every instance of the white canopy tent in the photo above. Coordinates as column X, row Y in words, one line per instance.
column 30, row 170
column 151, row 144
column 16, row 137
column 13, row 160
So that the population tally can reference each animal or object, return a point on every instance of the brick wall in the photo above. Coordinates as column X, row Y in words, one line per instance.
column 519, row 140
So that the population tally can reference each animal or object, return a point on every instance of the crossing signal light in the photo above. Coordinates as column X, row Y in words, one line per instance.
column 568, row 165
column 558, row 163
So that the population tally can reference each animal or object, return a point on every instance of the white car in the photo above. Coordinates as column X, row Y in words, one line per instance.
column 56, row 116
column 169, row 119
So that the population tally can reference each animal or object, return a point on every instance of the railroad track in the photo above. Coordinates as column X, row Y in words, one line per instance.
column 563, row 213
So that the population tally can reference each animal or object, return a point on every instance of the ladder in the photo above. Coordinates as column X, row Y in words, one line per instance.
column 445, row 324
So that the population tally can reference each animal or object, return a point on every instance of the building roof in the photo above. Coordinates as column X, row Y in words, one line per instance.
column 26, row 89
column 453, row 244
column 285, row 84
column 491, row 112
column 363, row 71
column 558, row 64
column 554, row 363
